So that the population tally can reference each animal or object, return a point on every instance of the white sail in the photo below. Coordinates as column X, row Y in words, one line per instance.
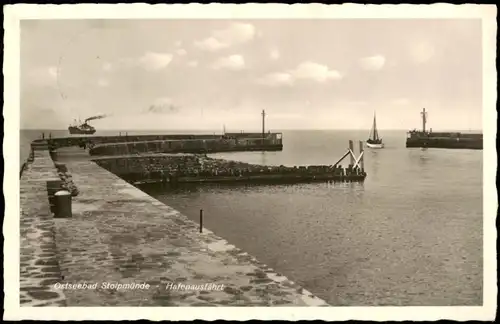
column 374, row 140
column 374, row 133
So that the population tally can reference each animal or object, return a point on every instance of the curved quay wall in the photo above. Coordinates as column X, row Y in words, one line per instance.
column 119, row 234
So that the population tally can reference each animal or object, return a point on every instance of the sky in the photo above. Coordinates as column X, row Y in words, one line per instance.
column 181, row 74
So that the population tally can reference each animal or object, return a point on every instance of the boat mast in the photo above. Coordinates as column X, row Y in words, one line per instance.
column 375, row 133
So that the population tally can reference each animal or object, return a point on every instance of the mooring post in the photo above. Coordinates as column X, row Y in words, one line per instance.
column 351, row 147
column 263, row 125
column 362, row 158
column 201, row 220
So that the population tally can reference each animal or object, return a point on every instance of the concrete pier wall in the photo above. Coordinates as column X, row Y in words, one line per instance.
column 448, row 143
column 244, row 139
column 76, row 139
column 445, row 140
column 184, row 146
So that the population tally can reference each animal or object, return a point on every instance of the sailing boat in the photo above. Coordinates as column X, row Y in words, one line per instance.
column 374, row 141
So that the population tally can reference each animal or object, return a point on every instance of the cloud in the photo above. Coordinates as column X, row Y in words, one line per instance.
column 276, row 79
column 315, row 71
column 305, row 71
column 210, row 44
column 373, row 63
column 193, row 63
column 232, row 62
column 275, row 54
column 149, row 61
column 103, row 82
column 163, row 105
column 236, row 33
column 181, row 52
column 421, row 52
column 155, row 61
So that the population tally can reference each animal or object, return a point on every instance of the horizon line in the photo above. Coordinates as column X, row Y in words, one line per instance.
column 253, row 131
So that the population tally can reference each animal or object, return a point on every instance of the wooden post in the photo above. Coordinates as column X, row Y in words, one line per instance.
column 263, row 125
column 362, row 162
column 201, row 220
column 340, row 160
column 351, row 147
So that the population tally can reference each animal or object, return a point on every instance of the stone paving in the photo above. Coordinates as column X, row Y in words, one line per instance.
column 119, row 234
column 39, row 268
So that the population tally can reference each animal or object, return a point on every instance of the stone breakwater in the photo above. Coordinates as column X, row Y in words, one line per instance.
column 192, row 168
column 120, row 235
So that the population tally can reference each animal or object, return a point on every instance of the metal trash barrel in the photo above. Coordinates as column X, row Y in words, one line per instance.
column 53, row 155
column 63, row 204
column 53, row 186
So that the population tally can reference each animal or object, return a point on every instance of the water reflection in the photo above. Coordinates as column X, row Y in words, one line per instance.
column 193, row 188
column 344, row 185
column 159, row 188
column 421, row 156
column 263, row 158
column 423, row 159
column 374, row 162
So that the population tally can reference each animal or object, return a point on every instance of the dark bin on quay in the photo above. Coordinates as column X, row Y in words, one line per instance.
column 63, row 204
column 53, row 155
column 53, row 186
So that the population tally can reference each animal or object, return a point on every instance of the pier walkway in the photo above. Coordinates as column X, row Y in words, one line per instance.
column 39, row 266
column 119, row 234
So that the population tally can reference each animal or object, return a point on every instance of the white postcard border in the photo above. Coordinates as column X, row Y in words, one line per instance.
column 14, row 13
